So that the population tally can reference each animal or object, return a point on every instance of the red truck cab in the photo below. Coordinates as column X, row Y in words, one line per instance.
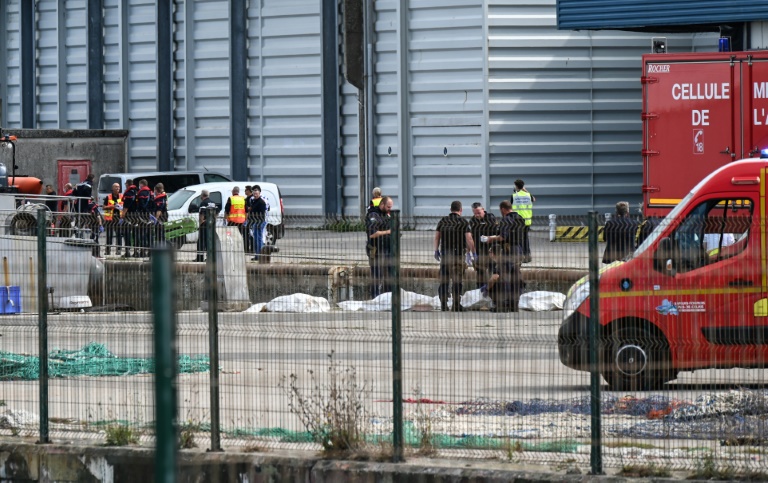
column 694, row 295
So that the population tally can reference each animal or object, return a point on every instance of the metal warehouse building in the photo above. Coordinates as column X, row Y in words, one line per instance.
column 459, row 97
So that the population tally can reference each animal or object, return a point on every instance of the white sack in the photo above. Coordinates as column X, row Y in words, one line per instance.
column 542, row 301
column 383, row 303
column 256, row 308
column 473, row 300
column 299, row 303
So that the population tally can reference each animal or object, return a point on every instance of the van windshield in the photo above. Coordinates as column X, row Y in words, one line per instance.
column 176, row 201
column 662, row 227
column 106, row 182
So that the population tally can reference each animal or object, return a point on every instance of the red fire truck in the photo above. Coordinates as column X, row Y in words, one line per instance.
column 700, row 111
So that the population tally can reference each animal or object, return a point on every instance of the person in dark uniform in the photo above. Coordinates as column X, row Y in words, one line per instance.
column 620, row 233
column 92, row 221
column 258, row 219
column 379, row 247
column 202, row 235
column 130, row 218
column 482, row 223
column 510, row 239
column 53, row 205
column 452, row 240
column 160, row 212
column 144, row 207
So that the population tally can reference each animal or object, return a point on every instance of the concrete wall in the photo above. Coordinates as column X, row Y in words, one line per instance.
column 39, row 150
column 265, row 282
column 27, row 462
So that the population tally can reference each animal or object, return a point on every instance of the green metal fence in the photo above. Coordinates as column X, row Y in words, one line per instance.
column 290, row 350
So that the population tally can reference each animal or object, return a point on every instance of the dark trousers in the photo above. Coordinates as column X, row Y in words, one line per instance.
column 482, row 269
column 506, row 293
column 202, row 243
column 114, row 232
column 526, row 242
column 451, row 273
column 382, row 273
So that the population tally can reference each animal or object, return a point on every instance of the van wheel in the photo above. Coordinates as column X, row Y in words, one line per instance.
column 636, row 360
column 271, row 238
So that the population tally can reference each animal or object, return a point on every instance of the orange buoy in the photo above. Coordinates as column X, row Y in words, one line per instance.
column 27, row 185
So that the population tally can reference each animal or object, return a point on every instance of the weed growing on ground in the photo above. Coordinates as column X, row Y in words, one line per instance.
column 423, row 423
column 121, row 435
column 187, row 434
column 644, row 471
column 332, row 413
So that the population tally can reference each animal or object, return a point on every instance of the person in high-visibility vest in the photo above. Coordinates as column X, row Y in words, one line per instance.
column 522, row 202
column 235, row 211
column 374, row 203
column 113, row 205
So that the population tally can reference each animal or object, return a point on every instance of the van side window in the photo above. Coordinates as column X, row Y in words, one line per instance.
column 713, row 231
column 215, row 178
column 215, row 196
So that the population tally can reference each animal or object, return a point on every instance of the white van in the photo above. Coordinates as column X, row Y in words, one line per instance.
column 185, row 203
column 172, row 181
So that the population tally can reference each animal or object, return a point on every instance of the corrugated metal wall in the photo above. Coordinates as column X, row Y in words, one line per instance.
column 285, row 104
column 564, row 109
column 10, row 68
column 201, row 72
column 617, row 14
column 469, row 96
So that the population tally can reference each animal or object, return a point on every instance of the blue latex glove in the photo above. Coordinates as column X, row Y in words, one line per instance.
column 101, row 229
column 437, row 255
column 484, row 290
column 153, row 219
column 468, row 259
column 120, row 221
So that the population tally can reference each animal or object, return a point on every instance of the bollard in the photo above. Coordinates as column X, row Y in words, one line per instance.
column 42, row 322
column 596, row 456
column 552, row 227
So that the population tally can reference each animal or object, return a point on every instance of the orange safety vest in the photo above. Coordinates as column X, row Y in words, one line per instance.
column 109, row 208
column 236, row 210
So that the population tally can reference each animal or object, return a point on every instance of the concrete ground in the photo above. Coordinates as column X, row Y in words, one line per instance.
column 327, row 247
column 450, row 361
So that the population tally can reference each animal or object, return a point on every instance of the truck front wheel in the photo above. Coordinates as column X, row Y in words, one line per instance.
column 636, row 360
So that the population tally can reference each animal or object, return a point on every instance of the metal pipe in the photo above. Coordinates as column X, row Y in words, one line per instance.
column 213, row 325
column 42, row 324
column 166, row 360
column 397, row 341
column 596, row 456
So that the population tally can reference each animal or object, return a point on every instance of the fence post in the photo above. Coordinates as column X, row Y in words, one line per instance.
column 166, row 360
column 397, row 343
column 596, row 455
column 213, row 324
column 42, row 322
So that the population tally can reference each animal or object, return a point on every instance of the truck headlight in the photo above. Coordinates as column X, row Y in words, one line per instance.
column 575, row 299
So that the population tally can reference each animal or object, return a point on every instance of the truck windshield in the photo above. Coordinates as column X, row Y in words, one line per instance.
column 177, row 200
column 663, row 225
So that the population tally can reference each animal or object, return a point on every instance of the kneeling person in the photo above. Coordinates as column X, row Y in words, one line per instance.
column 504, row 284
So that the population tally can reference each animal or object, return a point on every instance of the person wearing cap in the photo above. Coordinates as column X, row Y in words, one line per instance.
column 522, row 202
